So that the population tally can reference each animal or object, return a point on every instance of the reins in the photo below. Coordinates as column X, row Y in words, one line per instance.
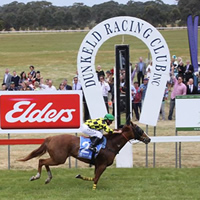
column 129, row 140
column 126, row 138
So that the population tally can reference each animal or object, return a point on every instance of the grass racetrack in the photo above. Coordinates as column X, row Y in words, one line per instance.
column 127, row 184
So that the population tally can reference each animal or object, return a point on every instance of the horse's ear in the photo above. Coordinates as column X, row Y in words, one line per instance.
column 125, row 128
column 132, row 123
column 121, row 126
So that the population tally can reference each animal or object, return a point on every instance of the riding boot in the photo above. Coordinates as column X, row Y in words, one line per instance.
column 94, row 142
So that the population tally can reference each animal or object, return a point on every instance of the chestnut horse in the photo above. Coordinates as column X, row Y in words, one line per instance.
column 60, row 147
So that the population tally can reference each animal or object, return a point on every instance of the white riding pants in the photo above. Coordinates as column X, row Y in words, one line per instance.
column 91, row 132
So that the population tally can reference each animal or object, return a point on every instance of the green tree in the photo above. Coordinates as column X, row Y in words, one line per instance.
column 1, row 24
column 46, row 18
column 83, row 17
column 154, row 16
column 10, row 20
column 68, row 20
column 188, row 7
column 174, row 15
column 42, row 14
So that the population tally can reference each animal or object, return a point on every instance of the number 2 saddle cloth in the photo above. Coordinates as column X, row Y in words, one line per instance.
column 85, row 152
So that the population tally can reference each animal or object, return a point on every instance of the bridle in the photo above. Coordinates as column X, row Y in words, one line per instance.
column 137, row 132
column 126, row 138
column 138, row 135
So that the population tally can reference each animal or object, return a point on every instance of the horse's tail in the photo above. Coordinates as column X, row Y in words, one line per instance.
column 37, row 152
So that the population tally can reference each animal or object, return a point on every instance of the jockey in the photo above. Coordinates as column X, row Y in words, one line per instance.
column 94, row 128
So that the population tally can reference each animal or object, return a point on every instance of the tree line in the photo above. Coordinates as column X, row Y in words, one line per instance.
column 41, row 15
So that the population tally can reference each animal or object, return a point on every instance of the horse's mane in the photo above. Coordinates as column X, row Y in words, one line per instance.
column 125, row 128
column 111, row 136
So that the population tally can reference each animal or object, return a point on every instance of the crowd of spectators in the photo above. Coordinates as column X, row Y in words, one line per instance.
column 26, row 82
column 182, row 81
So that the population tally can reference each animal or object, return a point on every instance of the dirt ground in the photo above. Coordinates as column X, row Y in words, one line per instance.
column 164, row 154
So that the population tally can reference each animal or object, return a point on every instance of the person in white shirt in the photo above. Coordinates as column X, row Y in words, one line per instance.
column 76, row 84
column 191, row 88
column 105, row 88
column 49, row 86
column 148, row 69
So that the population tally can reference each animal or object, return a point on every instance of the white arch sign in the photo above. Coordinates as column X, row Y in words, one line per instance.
column 160, row 58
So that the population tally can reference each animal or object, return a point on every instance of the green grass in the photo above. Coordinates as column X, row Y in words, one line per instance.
column 138, row 184
column 55, row 54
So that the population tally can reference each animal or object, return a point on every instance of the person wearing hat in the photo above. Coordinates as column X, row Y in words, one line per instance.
column 94, row 128
column 12, row 86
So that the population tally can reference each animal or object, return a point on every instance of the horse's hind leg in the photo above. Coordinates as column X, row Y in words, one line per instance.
column 46, row 162
column 49, row 174
column 38, row 175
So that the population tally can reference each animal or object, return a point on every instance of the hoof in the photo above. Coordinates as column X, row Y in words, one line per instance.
column 32, row 178
column 78, row 176
column 94, row 187
column 47, row 181
column 37, row 176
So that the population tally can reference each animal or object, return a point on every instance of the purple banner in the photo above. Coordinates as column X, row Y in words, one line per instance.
column 196, row 21
column 193, row 40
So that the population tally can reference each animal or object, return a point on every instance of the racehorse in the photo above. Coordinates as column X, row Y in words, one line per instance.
column 60, row 147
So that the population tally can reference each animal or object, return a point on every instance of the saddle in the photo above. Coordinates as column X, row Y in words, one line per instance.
column 85, row 152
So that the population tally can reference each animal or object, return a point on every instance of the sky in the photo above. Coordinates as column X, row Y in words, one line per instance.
column 71, row 2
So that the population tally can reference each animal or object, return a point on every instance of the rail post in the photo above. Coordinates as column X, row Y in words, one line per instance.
column 147, row 148
column 8, row 152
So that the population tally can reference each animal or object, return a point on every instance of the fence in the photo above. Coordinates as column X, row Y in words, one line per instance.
column 84, row 30
column 34, row 141
column 178, row 140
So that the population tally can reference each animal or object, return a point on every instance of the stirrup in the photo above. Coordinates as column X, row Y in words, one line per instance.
column 94, row 149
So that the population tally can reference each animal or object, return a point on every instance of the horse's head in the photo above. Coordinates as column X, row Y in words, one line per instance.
column 139, row 134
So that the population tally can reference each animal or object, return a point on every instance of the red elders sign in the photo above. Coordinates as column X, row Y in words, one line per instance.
column 40, row 111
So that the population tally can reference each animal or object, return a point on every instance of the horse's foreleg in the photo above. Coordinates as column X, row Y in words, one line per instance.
column 85, row 178
column 98, row 172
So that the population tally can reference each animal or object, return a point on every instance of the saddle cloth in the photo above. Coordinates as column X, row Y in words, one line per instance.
column 84, row 152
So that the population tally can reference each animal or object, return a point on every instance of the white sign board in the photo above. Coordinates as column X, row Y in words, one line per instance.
column 40, row 112
column 125, row 157
column 188, row 113
column 160, row 57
